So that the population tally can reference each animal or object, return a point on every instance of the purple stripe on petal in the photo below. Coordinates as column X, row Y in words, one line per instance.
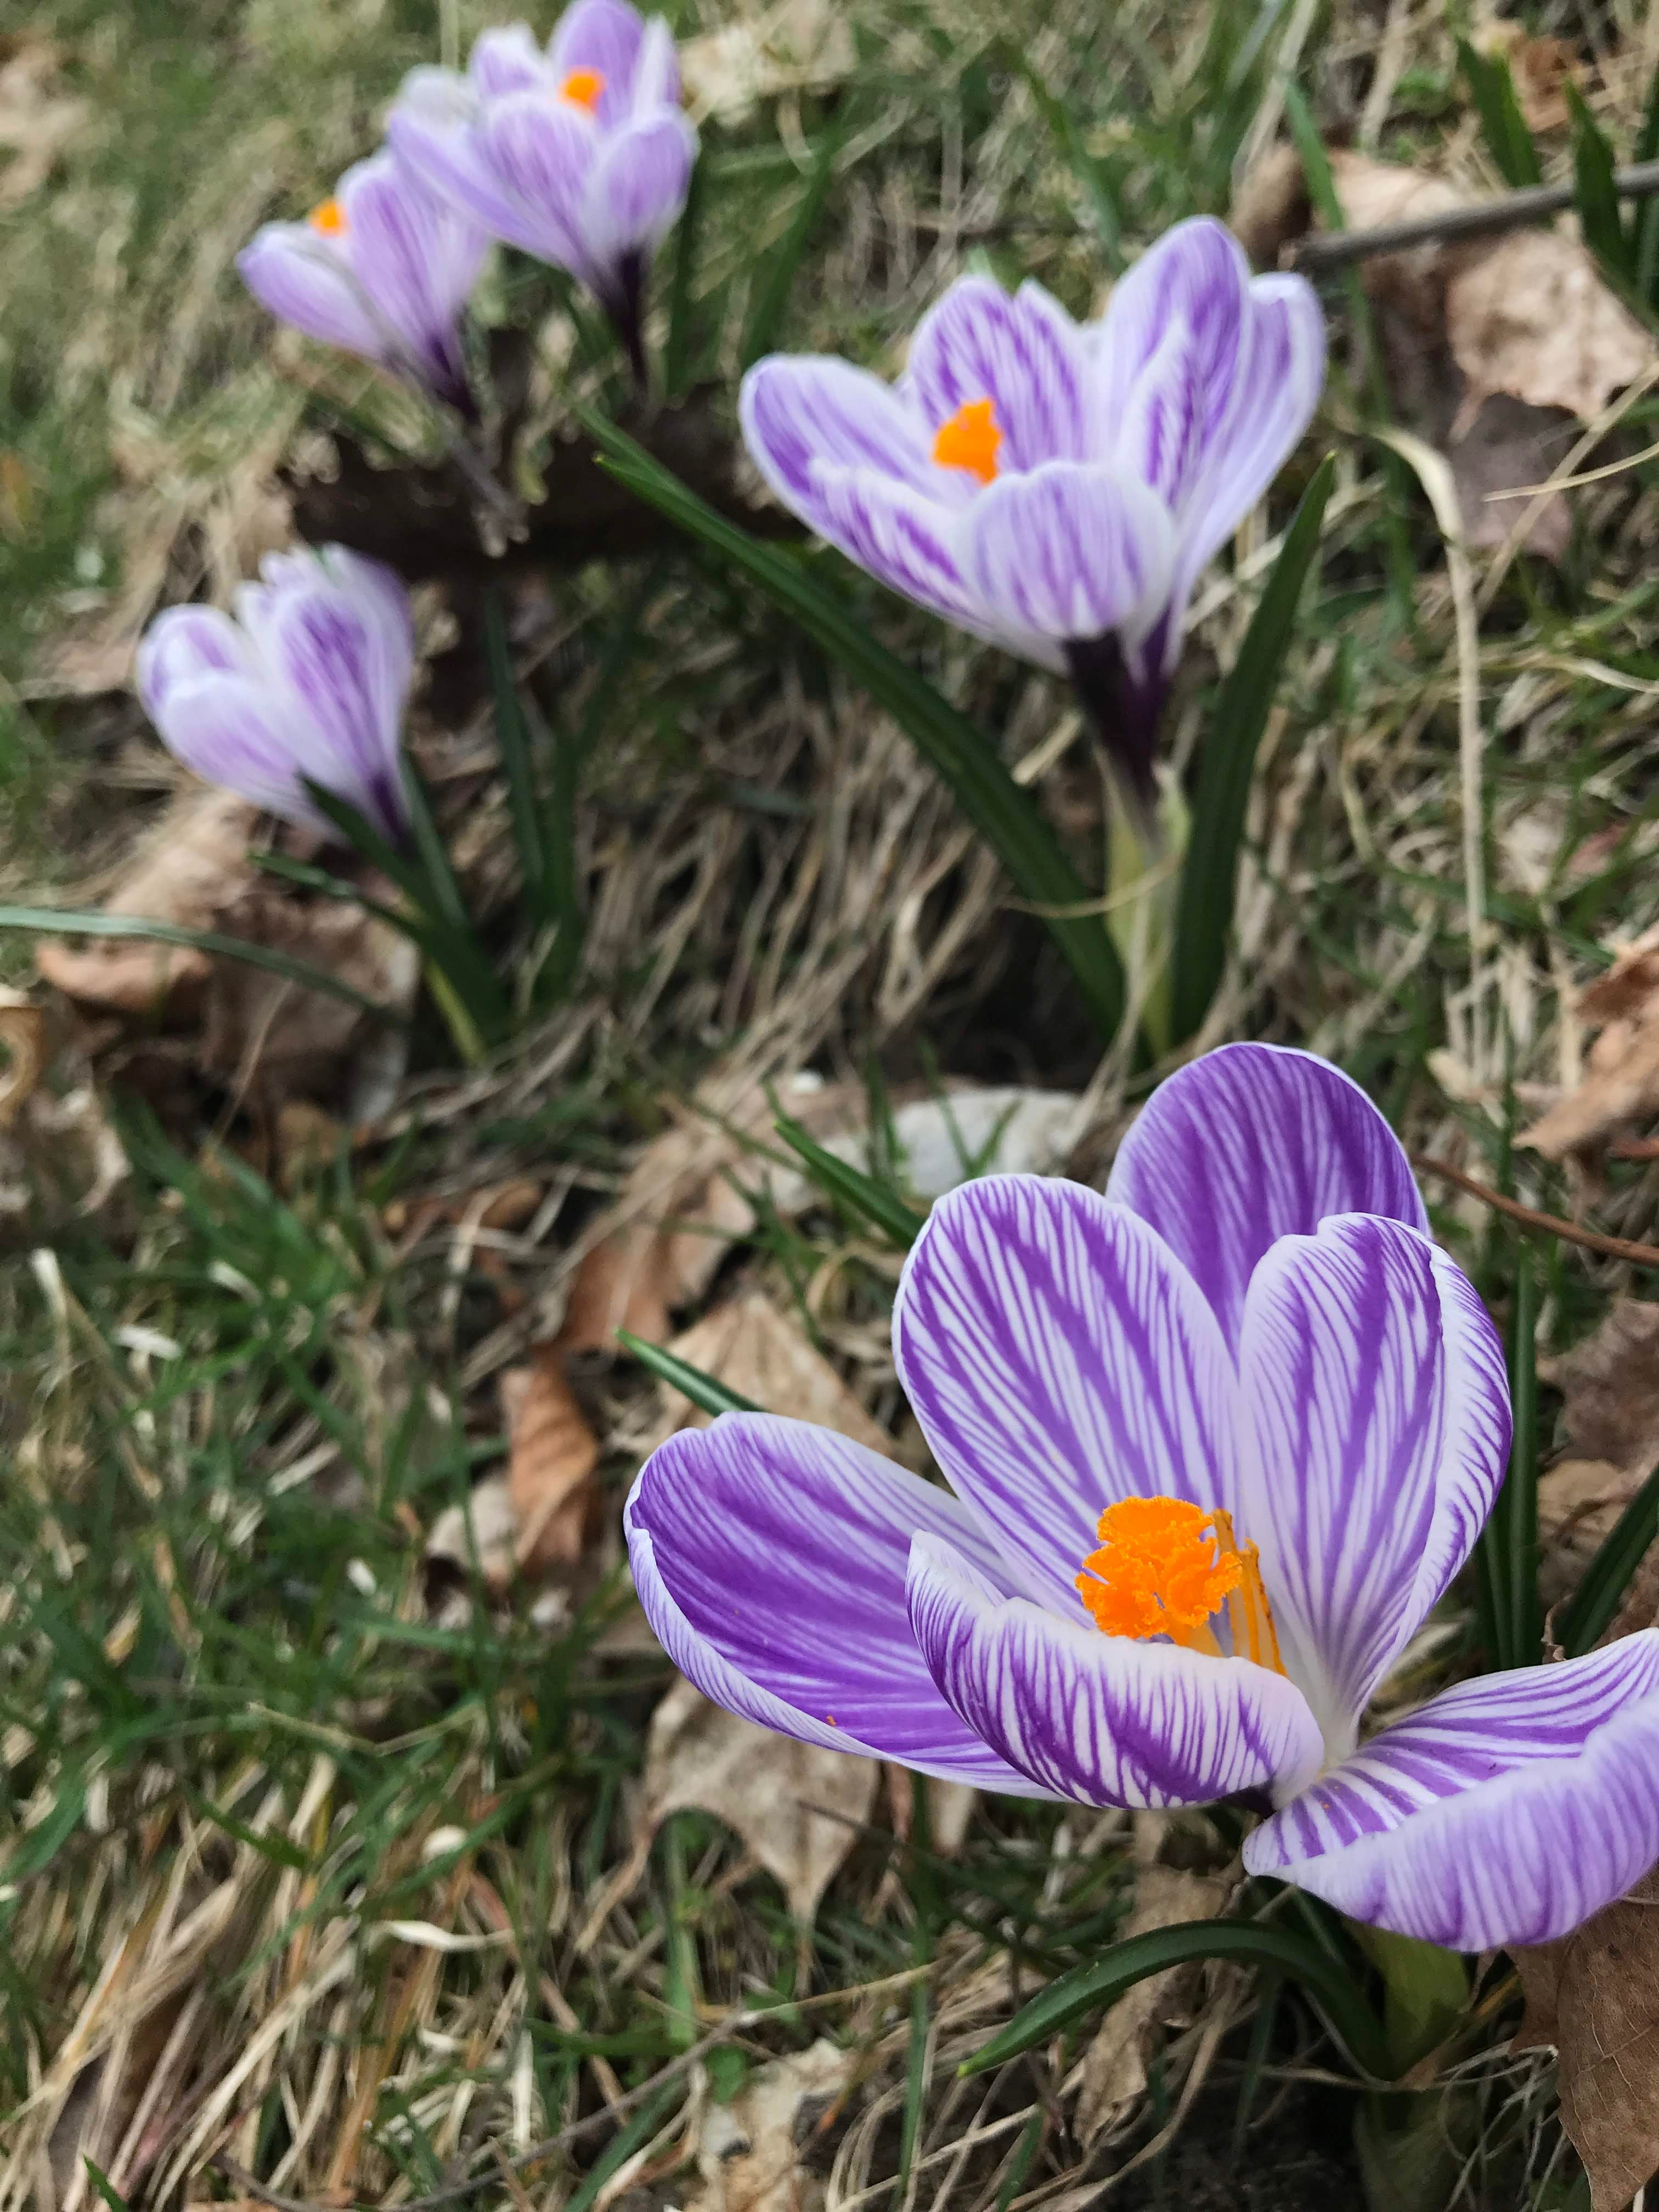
column 1069, row 552
column 1103, row 1720
column 637, row 187
column 802, row 415
column 1378, row 1419
column 183, row 644
column 1196, row 274
column 306, row 280
column 1505, row 1811
column 506, row 58
column 899, row 536
column 1024, row 354
column 433, row 128
column 1251, row 1143
column 418, row 259
column 1059, row 1358
column 605, row 35
column 541, row 152
column 779, row 1550
column 1161, row 438
column 230, row 731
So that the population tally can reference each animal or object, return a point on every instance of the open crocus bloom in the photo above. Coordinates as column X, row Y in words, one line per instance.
column 1218, row 1440
column 1058, row 489
column 382, row 269
column 309, row 681
column 579, row 155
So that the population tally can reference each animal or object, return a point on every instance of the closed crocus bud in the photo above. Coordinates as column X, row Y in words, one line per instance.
column 578, row 154
column 308, row 682
column 1053, row 487
column 383, row 268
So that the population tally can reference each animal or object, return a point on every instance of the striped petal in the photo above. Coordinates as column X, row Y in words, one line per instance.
column 506, row 58
column 1251, row 1143
column 1505, row 1811
column 604, row 36
column 904, row 538
column 300, row 279
column 638, row 186
column 769, row 1557
column 1069, row 552
column 1059, row 1358
column 418, row 259
column 1023, row 354
column 1103, row 1720
column 1161, row 436
column 1377, row 1417
column 806, row 417
column 230, row 731
column 540, row 153
column 433, row 128
column 1197, row 275
column 184, row 643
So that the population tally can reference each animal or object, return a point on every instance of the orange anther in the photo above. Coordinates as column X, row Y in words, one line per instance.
column 584, row 87
column 329, row 218
column 969, row 440
column 1166, row 1568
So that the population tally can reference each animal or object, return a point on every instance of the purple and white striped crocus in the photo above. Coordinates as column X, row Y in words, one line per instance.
column 308, row 682
column 1219, row 1440
column 579, row 155
column 1057, row 489
column 383, row 268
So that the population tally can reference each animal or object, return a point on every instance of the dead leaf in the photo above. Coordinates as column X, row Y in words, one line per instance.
column 748, row 1346
column 797, row 1808
column 484, row 1528
column 1610, row 1386
column 1115, row 2065
column 1540, row 68
column 1594, row 1996
column 794, row 46
column 551, row 1456
column 749, row 2151
column 37, row 118
column 1620, row 1083
column 23, row 1034
column 1495, row 348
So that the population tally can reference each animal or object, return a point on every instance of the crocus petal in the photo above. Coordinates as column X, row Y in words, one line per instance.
column 301, row 280
column 1070, row 551
column 1505, row 1811
column 1023, row 354
column 1250, row 1143
column 541, row 152
column 1059, row 1358
column 604, row 36
column 770, row 1558
column 419, row 260
column 1161, row 439
column 1101, row 1719
column 433, row 127
column 802, row 415
column 657, row 74
column 506, row 58
column 229, row 730
column 1379, row 1412
column 1273, row 402
column 1196, row 274
column 183, row 644
column 637, row 186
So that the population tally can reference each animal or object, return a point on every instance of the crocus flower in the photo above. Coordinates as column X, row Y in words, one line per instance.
column 579, row 155
column 1057, row 489
column 1218, row 1442
column 309, row 681
column 383, row 269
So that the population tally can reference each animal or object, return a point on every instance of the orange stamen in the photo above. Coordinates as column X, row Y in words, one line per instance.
column 584, row 87
column 329, row 218
column 969, row 440
column 1165, row 1568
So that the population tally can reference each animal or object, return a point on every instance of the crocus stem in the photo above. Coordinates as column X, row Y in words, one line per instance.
column 1122, row 708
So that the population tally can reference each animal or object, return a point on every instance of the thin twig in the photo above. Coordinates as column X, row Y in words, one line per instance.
column 1551, row 1225
column 1480, row 218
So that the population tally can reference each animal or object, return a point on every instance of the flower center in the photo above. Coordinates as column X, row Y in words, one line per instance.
column 329, row 218
column 584, row 87
column 969, row 440
column 1165, row 1568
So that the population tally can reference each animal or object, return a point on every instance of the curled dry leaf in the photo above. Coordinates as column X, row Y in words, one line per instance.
column 748, row 1346
column 1495, row 348
column 1594, row 1996
column 23, row 1035
column 1610, row 1386
column 748, row 2152
column 485, row 1529
column 551, row 1456
column 797, row 1808
column 1620, row 1083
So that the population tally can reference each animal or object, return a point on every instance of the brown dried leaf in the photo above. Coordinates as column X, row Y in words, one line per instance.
column 1594, row 1995
column 484, row 1528
column 950, row 1809
column 23, row 1034
column 797, row 1808
column 1610, row 1384
column 749, row 2151
column 1620, row 1083
column 551, row 1456
column 1541, row 69
column 748, row 1346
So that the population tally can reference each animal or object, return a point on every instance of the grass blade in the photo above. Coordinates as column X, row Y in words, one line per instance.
column 68, row 921
column 1588, row 1613
column 1069, row 144
column 1502, row 126
column 1600, row 214
column 1204, row 915
column 639, row 2130
column 702, row 1389
column 1099, row 1982
column 767, row 318
column 1007, row 816
column 1645, row 215
column 861, row 1193
column 1509, row 1543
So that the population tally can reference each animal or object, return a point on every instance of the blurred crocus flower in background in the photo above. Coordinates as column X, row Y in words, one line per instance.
column 1057, row 489
column 309, row 681
column 383, row 269
column 1218, row 1441
column 579, row 155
